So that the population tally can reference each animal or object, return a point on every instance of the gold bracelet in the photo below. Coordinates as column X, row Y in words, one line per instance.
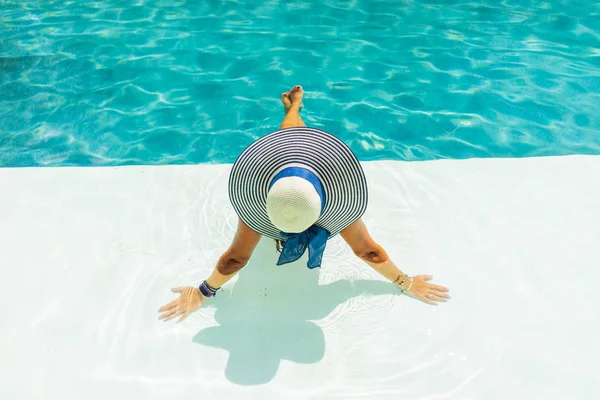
column 403, row 280
column 409, row 286
column 399, row 282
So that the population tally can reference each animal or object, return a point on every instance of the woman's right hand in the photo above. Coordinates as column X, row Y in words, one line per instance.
column 190, row 299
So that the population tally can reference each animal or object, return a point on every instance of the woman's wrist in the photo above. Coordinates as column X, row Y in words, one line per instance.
column 390, row 271
column 406, row 285
column 404, row 282
column 207, row 290
column 400, row 278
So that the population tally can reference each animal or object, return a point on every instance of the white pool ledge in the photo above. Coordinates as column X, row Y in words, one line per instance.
column 89, row 254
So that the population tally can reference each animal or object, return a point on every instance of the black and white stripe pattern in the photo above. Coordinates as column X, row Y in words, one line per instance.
column 331, row 159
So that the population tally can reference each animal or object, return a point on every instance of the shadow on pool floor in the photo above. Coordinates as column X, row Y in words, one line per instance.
column 267, row 317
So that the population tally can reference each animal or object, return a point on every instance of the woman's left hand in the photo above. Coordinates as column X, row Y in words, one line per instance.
column 426, row 292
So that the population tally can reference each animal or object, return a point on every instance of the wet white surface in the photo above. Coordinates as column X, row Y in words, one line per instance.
column 90, row 254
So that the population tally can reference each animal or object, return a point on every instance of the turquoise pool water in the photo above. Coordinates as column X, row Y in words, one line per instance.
column 114, row 82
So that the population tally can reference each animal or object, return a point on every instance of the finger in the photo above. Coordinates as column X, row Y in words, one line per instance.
column 173, row 314
column 430, row 302
column 168, row 313
column 440, row 294
column 425, row 299
column 178, row 289
column 184, row 316
column 168, row 306
column 421, row 297
column 437, row 298
column 438, row 288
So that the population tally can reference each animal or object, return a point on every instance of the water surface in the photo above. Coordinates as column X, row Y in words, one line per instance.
column 114, row 82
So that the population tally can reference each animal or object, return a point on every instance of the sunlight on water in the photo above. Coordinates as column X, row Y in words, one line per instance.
column 174, row 82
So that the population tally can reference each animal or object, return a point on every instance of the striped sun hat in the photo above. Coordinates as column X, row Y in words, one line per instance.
column 296, row 178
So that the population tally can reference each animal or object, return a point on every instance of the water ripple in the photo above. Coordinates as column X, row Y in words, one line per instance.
column 108, row 83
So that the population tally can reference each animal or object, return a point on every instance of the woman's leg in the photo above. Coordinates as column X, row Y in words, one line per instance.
column 292, row 101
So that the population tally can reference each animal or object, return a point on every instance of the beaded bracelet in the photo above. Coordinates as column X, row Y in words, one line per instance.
column 207, row 290
column 409, row 286
column 400, row 282
column 403, row 280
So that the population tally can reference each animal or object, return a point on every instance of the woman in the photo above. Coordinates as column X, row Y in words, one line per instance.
column 300, row 186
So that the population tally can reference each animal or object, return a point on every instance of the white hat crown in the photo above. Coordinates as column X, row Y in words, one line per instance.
column 293, row 203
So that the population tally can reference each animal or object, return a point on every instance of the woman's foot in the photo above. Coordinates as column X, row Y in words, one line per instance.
column 287, row 103
column 295, row 96
column 292, row 102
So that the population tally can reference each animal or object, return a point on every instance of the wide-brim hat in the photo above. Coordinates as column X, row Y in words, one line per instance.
column 334, row 163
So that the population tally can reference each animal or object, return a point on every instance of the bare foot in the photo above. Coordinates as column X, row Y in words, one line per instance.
column 285, row 99
column 296, row 95
column 292, row 101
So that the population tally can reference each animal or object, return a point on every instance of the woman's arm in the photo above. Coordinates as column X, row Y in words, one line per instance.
column 235, row 258
column 358, row 238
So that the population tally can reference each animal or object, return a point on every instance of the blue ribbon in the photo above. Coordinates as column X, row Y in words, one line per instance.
column 315, row 237
column 302, row 173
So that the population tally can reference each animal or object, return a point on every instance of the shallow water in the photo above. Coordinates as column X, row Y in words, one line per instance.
column 174, row 82
column 90, row 254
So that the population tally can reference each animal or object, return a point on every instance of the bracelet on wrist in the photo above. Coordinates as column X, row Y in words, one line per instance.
column 207, row 290
column 399, row 281
column 403, row 280
column 409, row 285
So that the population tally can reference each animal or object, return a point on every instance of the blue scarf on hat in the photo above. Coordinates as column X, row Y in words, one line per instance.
column 315, row 237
